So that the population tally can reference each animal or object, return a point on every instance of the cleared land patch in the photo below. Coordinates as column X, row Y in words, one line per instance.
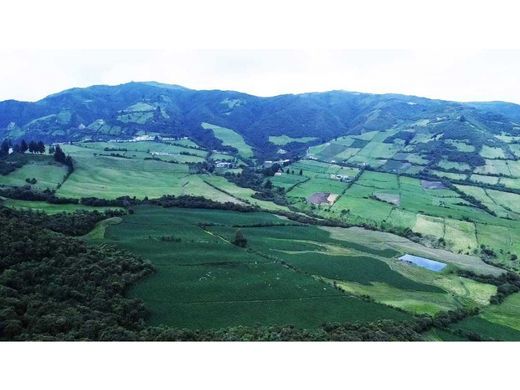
column 230, row 138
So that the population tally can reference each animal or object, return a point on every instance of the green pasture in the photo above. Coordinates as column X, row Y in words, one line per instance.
column 230, row 138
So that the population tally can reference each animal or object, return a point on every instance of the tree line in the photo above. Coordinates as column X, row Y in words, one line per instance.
column 7, row 147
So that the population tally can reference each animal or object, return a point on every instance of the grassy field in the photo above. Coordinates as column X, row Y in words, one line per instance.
column 387, row 199
column 111, row 177
column 240, row 194
column 230, row 138
column 49, row 208
column 44, row 169
column 497, row 322
column 284, row 139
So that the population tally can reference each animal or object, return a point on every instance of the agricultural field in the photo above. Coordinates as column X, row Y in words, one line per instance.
column 109, row 177
column 49, row 208
column 281, row 140
column 496, row 322
column 204, row 281
column 230, row 138
column 44, row 169
column 425, row 207
column 289, row 273
column 239, row 194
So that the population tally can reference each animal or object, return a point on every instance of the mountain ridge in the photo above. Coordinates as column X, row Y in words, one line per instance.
column 102, row 112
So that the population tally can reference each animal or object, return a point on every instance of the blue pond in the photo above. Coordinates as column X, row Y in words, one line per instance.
column 432, row 265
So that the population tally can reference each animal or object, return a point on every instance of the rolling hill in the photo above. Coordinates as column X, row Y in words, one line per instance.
column 295, row 209
column 127, row 110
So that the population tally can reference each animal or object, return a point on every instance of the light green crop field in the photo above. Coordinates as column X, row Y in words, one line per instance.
column 230, row 138
column 186, row 142
column 484, row 179
column 145, row 149
column 492, row 152
column 514, row 167
column 49, row 208
column 204, row 281
column 240, row 194
column 42, row 168
column 462, row 146
column 429, row 226
column 386, row 199
column 507, row 200
column 287, row 180
column 450, row 175
column 496, row 322
column 313, row 185
column 312, row 168
column 111, row 177
column 284, row 139
column 458, row 166
column 367, row 266
column 493, row 167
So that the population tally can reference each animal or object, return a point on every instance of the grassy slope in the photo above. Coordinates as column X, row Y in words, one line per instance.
column 49, row 208
column 230, row 138
column 43, row 168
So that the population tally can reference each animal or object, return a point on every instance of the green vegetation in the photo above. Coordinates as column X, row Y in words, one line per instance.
column 49, row 208
column 284, row 139
column 57, row 288
column 110, row 177
column 48, row 174
column 230, row 138
column 321, row 214
column 204, row 281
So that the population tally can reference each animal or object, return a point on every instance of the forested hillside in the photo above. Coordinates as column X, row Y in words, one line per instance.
column 107, row 112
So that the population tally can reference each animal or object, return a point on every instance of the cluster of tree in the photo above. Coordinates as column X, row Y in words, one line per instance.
column 437, row 150
column 383, row 330
column 27, row 193
column 118, row 155
column 405, row 136
column 59, row 156
column 59, row 288
column 199, row 202
column 202, row 167
column 22, row 147
column 77, row 223
column 9, row 163
column 108, row 149
column 250, row 178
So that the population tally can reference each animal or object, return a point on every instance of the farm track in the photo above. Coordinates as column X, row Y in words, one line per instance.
column 240, row 201
column 313, row 297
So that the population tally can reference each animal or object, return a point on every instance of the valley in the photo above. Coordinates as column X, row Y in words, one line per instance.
column 265, row 220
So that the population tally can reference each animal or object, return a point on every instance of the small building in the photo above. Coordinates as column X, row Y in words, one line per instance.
column 224, row 164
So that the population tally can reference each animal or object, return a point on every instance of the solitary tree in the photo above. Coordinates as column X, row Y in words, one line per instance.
column 59, row 156
column 40, row 147
column 4, row 149
column 33, row 147
column 23, row 146
column 240, row 240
